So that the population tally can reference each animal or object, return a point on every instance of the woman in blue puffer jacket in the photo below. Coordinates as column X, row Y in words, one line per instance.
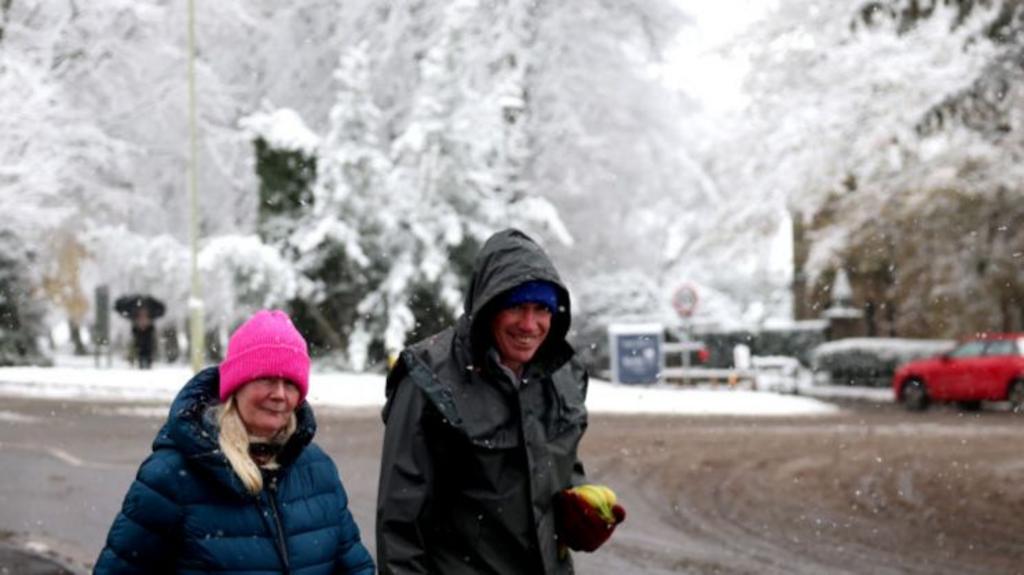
column 235, row 484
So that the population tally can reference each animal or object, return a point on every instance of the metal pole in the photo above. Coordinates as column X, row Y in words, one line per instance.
column 195, row 301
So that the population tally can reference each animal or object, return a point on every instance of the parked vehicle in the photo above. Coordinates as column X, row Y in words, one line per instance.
column 870, row 361
column 775, row 373
column 989, row 367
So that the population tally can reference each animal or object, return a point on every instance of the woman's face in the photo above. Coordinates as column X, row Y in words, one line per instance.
column 265, row 405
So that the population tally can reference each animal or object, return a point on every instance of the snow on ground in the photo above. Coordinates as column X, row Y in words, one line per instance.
column 80, row 379
column 12, row 417
column 605, row 397
column 875, row 394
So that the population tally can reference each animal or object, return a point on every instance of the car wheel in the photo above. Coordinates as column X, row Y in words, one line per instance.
column 1016, row 396
column 915, row 396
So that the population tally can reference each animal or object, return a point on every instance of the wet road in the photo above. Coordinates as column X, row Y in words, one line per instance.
column 869, row 490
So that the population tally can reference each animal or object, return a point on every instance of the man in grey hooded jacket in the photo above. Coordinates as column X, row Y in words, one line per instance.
column 483, row 421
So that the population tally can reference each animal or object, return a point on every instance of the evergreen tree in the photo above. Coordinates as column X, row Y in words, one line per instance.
column 336, row 241
column 285, row 178
column 403, row 199
column 21, row 314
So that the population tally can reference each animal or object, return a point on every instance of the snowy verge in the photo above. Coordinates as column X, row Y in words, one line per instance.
column 361, row 390
column 604, row 397
column 875, row 394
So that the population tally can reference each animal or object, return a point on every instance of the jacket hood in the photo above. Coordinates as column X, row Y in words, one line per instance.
column 507, row 259
column 191, row 430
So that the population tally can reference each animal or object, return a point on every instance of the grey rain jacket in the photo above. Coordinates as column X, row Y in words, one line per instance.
column 473, row 459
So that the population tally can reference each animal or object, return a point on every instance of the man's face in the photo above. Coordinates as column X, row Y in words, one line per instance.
column 519, row 331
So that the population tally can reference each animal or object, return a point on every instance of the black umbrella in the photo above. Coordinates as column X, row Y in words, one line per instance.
column 129, row 306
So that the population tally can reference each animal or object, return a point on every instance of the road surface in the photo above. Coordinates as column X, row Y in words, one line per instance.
column 869, row 490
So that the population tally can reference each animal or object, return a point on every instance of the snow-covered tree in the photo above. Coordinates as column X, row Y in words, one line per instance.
column 333, row 242
column 61, row 172
column 410, row 183
column 483, row 125
column 485, row 114
column 93, row 105
column 607, row 147
column 876, row 119
column 857, row 93
column 240, row 274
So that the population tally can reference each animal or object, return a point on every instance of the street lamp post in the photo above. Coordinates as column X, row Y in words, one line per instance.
column 195, row 301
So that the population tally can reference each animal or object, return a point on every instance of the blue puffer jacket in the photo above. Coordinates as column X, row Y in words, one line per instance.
column 187, row 512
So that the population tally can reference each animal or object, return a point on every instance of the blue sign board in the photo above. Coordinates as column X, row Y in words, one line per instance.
column 636, row 353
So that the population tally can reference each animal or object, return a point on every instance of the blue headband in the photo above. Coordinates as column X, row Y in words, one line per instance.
column 539, row 292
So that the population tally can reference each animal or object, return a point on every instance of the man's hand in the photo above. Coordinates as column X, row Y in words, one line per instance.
column 587, row 516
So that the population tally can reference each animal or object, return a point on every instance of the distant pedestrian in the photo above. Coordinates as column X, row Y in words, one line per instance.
column 144, row 338
column 479, row 472
column 142, row 310
column 235, row 484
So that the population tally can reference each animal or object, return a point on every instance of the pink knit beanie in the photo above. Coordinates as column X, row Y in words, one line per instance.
column 266, row 345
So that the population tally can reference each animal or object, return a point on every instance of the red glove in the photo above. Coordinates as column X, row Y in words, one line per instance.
column 587, row 516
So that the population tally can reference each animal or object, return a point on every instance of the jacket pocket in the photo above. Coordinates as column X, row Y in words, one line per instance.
column 570, row 395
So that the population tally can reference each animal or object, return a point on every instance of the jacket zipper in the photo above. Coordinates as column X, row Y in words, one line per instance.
column 282, row 548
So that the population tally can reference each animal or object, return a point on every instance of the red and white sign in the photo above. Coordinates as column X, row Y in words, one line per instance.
column 684, row 300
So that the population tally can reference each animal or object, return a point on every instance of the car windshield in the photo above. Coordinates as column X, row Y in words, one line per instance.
column 969, row 349
column 1001, row 347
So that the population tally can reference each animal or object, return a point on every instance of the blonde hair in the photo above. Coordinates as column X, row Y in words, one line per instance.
column 234, row 442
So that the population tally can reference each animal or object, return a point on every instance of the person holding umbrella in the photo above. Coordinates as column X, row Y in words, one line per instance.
column 235, row 483
column 141, row 310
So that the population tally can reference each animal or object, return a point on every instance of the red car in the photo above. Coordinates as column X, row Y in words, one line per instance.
column 989, row 367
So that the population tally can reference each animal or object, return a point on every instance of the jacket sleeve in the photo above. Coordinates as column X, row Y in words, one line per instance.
column 406, row 485
column 579, row 474
column 353, row 558
column 145, row 535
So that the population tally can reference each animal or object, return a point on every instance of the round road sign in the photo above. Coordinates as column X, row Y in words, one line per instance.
column 684, row 300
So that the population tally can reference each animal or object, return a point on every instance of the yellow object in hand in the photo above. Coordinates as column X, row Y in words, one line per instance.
column 600, row 497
